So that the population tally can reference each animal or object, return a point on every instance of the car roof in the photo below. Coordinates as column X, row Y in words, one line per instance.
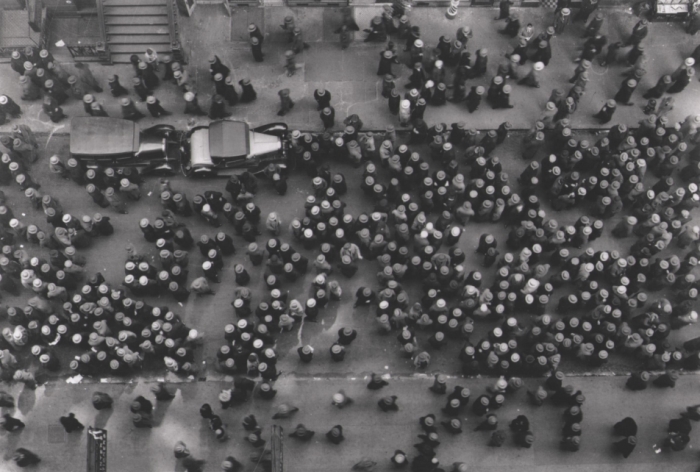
column 228, row 138
column 103, row 136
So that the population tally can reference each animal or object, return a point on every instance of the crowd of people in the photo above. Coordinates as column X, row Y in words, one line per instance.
column 420, row 194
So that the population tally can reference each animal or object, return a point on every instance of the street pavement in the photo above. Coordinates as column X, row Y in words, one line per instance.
column 369, row 432
column 371, row 351
column 350, row 75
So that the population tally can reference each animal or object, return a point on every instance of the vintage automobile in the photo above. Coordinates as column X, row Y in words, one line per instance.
column 215, row 149
column 121, row 143
column 226, row 145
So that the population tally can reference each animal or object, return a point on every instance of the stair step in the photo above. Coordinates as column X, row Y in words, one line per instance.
column 133, row 3
column 135, row 11
column 138, row 48
column 121, row 58
column 137, row 29
column 147, row 39
column 136, row 20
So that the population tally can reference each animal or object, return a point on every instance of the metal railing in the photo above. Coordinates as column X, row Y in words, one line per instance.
column 178, row 51
column 101, row 46
column 83, row 51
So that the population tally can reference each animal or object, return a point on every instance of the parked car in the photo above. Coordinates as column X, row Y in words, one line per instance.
column 218, row 148
column 226, row 145
column 116, row 142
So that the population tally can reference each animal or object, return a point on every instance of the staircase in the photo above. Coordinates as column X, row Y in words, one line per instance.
column 132, row 26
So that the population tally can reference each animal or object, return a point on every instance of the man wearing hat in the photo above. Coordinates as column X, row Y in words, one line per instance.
column 473, row 99
column 624, row 95
column 129, row 110
column 298, row 44
column 286, row 103
column 76, row 89
column 192, row 105
column 254, row 32
column 503, row 10
column 29, row 89
column 377, row 31
column 97, row 110
column 288, row 27
column 532, row 79
column 248, row 93
column 55, row 91
column 562, row 19
column 148, row 75
column 154, row 107
column 217, row 67
column 322, row 97
column 290, row 62
column 256, row 48
column 115, row 87
column 512, row 26
column 639, row 32
column 217, row 110
column 140, row 88
column 17, row 60
column 328, row 117
column 606, row 113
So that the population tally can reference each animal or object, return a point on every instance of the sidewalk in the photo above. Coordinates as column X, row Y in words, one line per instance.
column 350, row 75
column 368, row 431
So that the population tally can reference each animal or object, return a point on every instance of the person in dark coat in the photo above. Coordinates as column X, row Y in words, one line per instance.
column 155, row 108
column 115, row 87
column 587, row 7
column 70, row 423
column 682, row 82
column 661, row 87
column 52, row 109
column 335, row 435
column 474, row 97
column 625, row 93
column 638, row 381
column 301, row 433
column 625, row 446
column 388, row 403
column 377, row 31
column 322, row 97
column 386, row 59
column 503, row 10
column 286, row 103
column 11, row 424
column 192, row 105
column 217, row 110
column 254, row 32
column 217, row 67
column 24, row 457
column 140, row 88
column 666, row 380
column 56, row 91
column 97, row 109
column 256, row 49
column 129, row 110
column 248, row 93
column 328, row 117
column 512, row 26
column 101, row 401
column 606, row 113
column 148, row 76
column 497, row 438
column 376, row 382
column 543, row 53
column 17, row 60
